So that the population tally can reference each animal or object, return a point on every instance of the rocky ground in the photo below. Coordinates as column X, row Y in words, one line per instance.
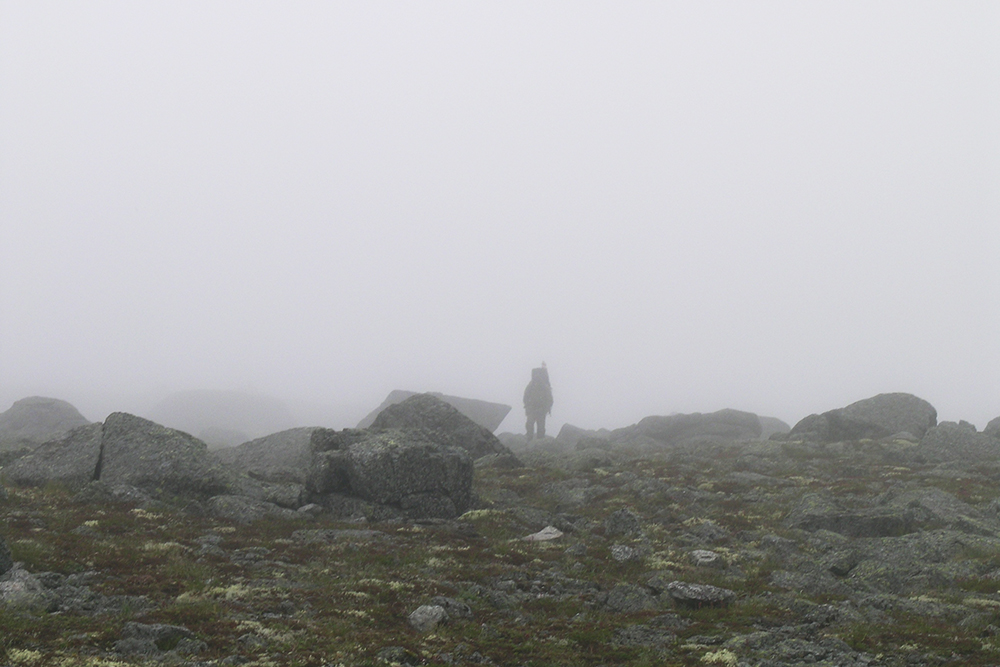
column 758, row 552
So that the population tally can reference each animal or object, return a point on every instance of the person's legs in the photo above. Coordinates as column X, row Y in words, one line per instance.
column 530, row 427
column 541, row 426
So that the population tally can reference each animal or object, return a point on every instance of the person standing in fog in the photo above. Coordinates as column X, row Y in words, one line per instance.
column 537, row 400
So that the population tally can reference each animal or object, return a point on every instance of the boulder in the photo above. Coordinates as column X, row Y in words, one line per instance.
column 877, row 417
column 486, row 414
column 445, row 424
column 71, row 461
column 20, row 589
column 396, row 468
column 949, row 441
column 282, row 457
column 403, row 468
column 723, row 425
column 573, row 435
column 35, row 420
column 141, row 453
column 822, row 512
column 993, row 428
column 427, row 617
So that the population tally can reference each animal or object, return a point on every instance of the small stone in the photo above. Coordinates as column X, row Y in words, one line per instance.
column 427, row 617
column 706, row 558
column 544, row 535
column 622, row 553
column 699, row 595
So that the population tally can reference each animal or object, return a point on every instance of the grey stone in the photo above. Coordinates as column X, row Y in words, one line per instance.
column 486, row 414
column 445, row 424
column 699, row 595
column 19, row 589
column 396, row 466
column 101, row 492
column 706, row 558
column 993, row 428
column 876, row 417
column 949, row 441
column 623, row 553
column 772, row 425
column 283, row 457
column 36, row 420
column 427, row 617
column 292, row 496
column 454, row 608
column 820, row 512
column 72, row 461
column 623, row 522
column 247, row 510
column 157, row 459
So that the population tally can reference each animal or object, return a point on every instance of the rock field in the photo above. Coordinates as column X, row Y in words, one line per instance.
column 681, row 540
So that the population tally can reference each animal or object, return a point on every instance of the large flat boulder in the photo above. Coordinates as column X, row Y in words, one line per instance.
column 71, row 461
column 396, row 467
column 161, row 460
column 445, row 424
column 36, row 420
column 486, row 414
column 877, row 417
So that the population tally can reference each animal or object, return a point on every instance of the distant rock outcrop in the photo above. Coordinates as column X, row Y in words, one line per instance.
column 486, row 414
column 772, row 425
column 32, row 421
column 877, row 417
column 680, row 429
column 222, row 418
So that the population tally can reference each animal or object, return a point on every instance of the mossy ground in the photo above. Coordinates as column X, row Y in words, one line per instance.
column 316, row 604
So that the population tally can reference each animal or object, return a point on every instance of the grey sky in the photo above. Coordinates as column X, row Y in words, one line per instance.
column 778, row 207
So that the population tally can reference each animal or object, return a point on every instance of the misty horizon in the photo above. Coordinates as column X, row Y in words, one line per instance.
column 777, row 208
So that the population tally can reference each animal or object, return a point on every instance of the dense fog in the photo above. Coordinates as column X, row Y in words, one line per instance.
column 778, row 207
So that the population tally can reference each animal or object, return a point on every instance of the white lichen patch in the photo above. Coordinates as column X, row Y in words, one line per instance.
column 162, row 547
column 359, row 595
column 233, row 592
column 18, row 656
column 140, row 513
column 721, row 657
column 982, row 602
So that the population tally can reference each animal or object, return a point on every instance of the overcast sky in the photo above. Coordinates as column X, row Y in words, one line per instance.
column 780, row 207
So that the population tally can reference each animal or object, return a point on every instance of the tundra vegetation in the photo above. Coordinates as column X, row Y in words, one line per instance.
column 747, row 552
